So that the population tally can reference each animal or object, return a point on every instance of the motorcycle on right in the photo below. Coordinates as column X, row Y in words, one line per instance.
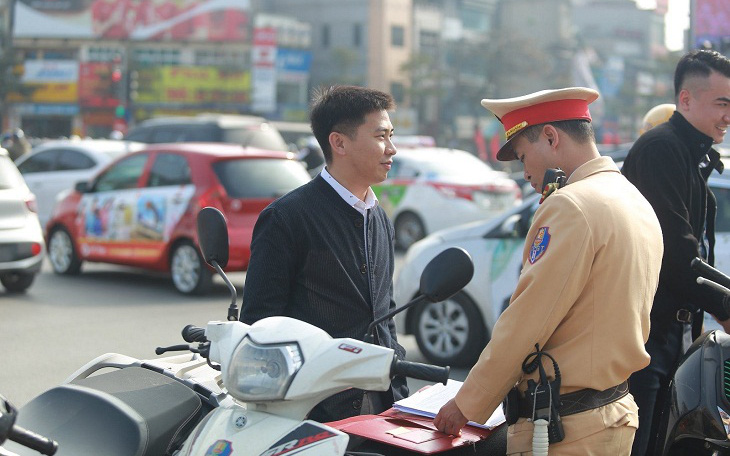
column 696, row 421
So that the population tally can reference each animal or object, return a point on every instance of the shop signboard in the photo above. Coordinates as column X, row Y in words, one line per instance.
column 148, row 20
column 49, row 81
column 95, row 85
column 193, row 85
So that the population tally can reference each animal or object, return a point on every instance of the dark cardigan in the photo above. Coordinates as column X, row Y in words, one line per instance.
column 308, row 262
column 664, row 166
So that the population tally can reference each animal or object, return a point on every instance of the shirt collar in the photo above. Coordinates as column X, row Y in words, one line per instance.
column 370, row 199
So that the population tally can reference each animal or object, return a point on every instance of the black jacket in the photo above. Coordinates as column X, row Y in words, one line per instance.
column 308, row 262
column 664, row 164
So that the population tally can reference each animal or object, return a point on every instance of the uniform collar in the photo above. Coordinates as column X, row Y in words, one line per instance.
column 596, row 165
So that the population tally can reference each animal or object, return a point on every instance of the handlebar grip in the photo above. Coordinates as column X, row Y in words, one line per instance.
column 33, row 441
column 420, row 371
column 192, row 334
column 713, row 284
column 710, row 273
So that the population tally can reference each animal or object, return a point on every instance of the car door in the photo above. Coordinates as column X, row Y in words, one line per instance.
column 161, row 203
column 106, row 214
column 504, row 246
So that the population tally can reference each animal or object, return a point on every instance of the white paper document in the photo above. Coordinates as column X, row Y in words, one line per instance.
column 428, row 402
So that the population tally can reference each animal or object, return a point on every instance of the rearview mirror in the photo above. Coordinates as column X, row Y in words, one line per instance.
column 213, row 236
column 447, row 273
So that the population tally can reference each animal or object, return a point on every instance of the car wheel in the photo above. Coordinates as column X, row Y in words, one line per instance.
column 408, row 229
column 189, row 272
column 62, row 253
column 450, row 332
column 17, row 282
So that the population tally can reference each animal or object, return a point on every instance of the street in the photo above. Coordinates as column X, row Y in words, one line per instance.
column 63, row 322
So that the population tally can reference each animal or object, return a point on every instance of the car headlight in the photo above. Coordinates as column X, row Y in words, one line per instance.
column 262, row 372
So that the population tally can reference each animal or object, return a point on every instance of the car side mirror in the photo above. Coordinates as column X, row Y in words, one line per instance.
column 82, row 187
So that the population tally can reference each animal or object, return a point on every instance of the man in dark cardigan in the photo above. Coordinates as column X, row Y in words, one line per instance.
column 324, row 252
column 670, row 165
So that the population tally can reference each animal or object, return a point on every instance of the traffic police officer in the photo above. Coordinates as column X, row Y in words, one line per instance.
column 590, row 270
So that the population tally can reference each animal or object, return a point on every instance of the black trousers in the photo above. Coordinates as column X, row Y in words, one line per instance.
column 650, row 385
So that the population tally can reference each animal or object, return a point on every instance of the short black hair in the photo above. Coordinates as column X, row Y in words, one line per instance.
column 580, row 130
column 700, row 62
column 343, row 109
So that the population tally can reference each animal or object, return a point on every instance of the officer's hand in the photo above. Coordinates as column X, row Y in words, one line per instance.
column 450, row 420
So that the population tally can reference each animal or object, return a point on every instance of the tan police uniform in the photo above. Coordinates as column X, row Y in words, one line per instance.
column 590, row 270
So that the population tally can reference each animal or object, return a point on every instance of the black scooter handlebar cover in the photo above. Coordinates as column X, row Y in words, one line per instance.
column 420, row 371
column 193, row 334
column 708, row 272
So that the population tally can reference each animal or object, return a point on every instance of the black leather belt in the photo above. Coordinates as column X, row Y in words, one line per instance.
column 580, row 401
column 684, row 316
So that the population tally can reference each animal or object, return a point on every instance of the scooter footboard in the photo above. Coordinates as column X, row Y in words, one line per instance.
column 131, row 411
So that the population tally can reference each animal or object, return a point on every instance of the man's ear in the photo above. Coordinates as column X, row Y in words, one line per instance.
column 683, row 100
column 337, row 143
column 551, row 133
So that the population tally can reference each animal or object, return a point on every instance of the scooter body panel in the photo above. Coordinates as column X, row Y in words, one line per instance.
column 236, row 430
column 698, row 418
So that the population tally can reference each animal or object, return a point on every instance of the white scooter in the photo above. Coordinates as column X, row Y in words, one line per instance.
column 279, row 368
column 268, row 377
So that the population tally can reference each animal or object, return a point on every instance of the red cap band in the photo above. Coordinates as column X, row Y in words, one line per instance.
column 550, row 111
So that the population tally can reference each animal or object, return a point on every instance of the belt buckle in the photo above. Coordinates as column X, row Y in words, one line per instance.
column 684, row 316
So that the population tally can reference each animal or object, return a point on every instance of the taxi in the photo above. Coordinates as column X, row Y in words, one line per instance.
column 141, row 210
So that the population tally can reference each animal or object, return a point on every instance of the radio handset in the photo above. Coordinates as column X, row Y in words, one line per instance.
column 554, row 179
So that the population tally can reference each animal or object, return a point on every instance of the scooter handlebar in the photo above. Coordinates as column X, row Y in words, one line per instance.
column 420, row 371
column 193, row 334
column 708, row 272
column 33, row 441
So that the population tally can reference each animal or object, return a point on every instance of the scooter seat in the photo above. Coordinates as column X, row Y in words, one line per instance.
column 126, row 412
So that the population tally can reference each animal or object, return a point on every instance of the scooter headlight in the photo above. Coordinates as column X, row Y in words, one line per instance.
column 262, row 372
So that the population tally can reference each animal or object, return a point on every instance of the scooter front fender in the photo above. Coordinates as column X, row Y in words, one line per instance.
column 236, row 430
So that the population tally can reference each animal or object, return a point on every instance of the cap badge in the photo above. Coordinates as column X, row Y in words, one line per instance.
column 515, row 129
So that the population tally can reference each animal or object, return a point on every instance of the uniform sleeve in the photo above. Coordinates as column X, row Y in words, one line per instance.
column 551, row 280
column 271, row 269
column 660, row 177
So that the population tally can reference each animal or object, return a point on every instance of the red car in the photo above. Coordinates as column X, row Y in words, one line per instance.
column 141, row 209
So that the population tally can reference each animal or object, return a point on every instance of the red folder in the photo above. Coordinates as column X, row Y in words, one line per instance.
column 411, row 432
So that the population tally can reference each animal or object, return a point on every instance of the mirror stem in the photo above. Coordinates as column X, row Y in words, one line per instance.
column 233, row 309
column 370, row 333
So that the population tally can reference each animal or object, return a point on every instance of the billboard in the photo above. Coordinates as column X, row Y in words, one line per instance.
column 711, row 23
column 198, row 86
column 49, row 81
column 143, row 20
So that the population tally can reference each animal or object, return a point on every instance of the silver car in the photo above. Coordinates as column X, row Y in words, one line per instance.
column 21, row 236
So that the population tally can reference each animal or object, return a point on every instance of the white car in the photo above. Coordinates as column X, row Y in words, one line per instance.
column 55, row 166
column 456, row 330
column 21, row 236
column 431, row 188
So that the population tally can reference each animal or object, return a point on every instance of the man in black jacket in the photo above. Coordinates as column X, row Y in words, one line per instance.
column 670, row 165
column 324, row 252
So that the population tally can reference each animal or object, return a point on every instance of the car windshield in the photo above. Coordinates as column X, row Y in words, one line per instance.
column 260, row 177
column 10, row 177
column 262, row 137
column 457, row 166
